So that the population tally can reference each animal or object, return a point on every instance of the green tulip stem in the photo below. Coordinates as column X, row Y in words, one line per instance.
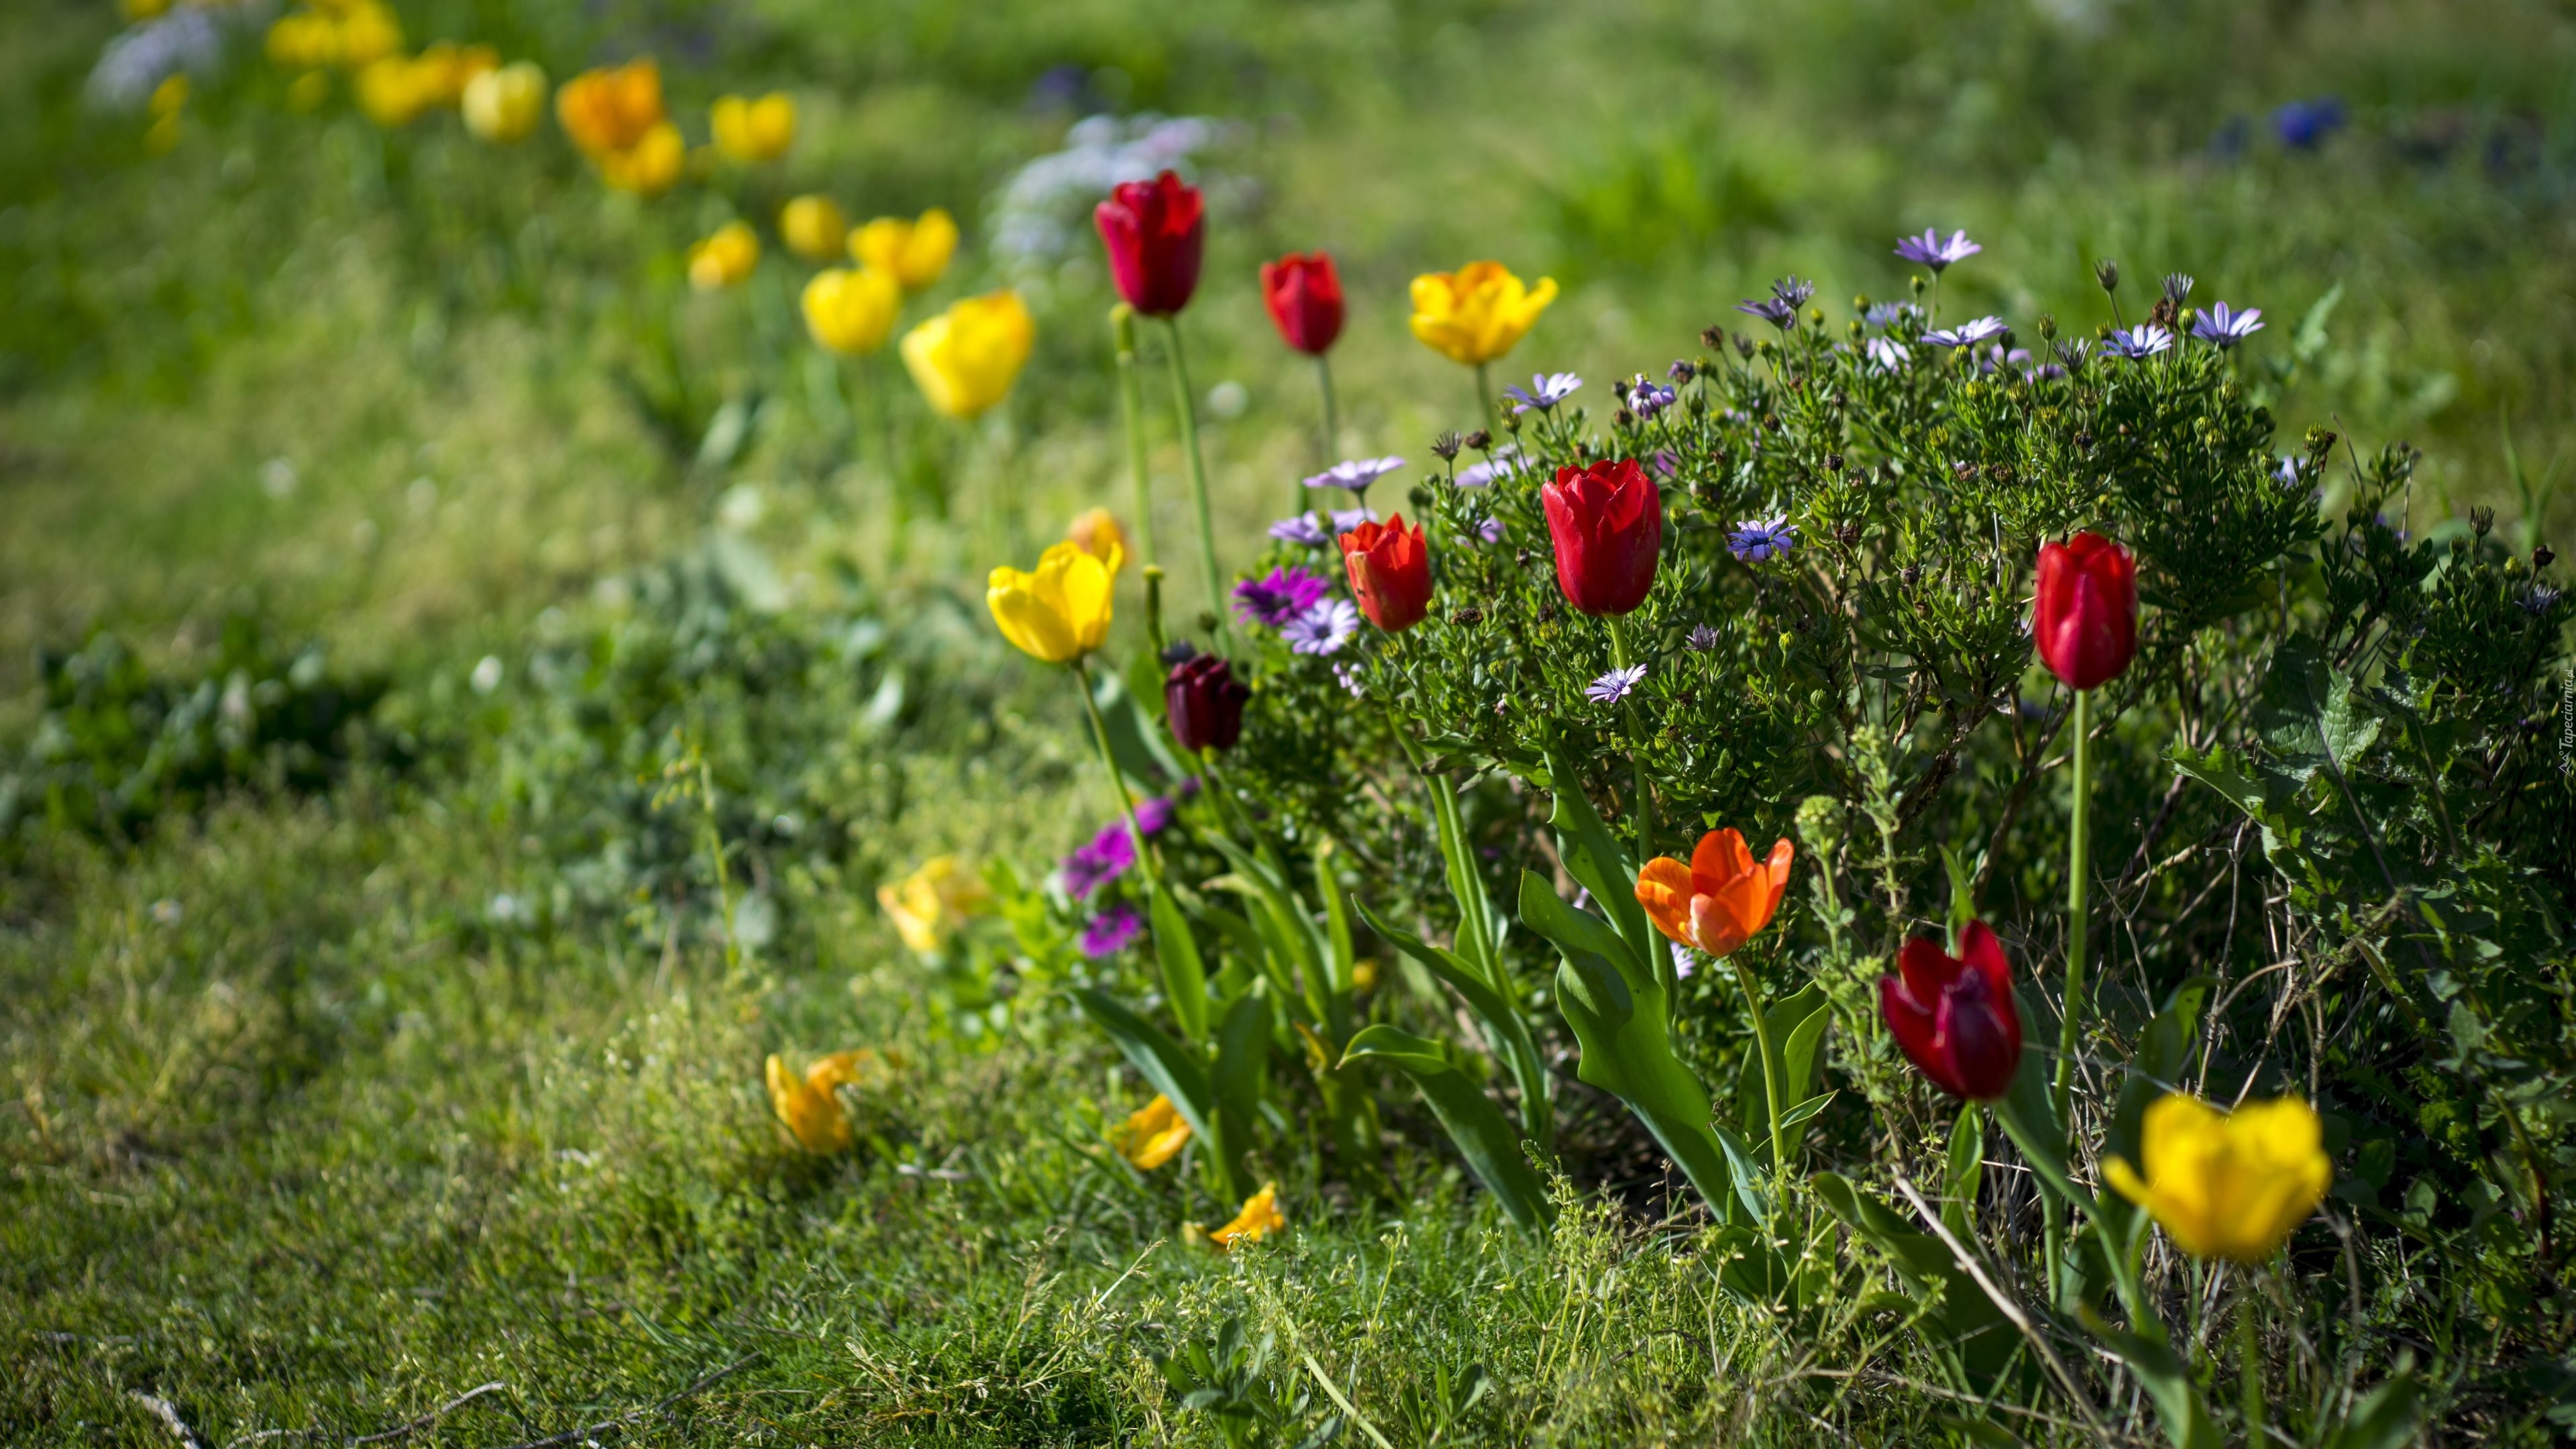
column 1332, row 425
column 1645, row 803
column 1485, row 402
column 1770, row 1064
column 2078, row 846
column 1187, row 410
column 1131, row 400
column 1126, row 803
column 2249, row 1348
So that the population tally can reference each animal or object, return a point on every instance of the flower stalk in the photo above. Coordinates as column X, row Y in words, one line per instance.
column 1131, row 402
column 2078, row 865
column 1186, row 410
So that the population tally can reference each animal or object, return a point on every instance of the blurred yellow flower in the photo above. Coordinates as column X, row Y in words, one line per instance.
column 1259, row 1219
column 1060, row 612
column 813, row 227
column 1096, row 532
column 1478, row 312
column 369, row 32
column 350, row 34
column 651, row 166
column 136, row 10
column 915, row 253
column 2230, row 1185
column 723, row 258
column 443, row 70
column 809, row 1105
column 749, row 130
column 930, row 904
column 966, row 358
column 169, row 97
column 612, row 110
column 1153, row 1135
column 851, row 312
column 393, row 91
column 503, row 106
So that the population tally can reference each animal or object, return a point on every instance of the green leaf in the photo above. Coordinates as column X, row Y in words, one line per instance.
column 1748, row 1174
column 1964, row 1174
column 1242, row 1076
column 1796, row 1023
column 1505, row 1032
column 1956, row 1317
column 1483, row 1135
column 2385, row 1418
column 1184, row 973
column 1135, row 739
column 1592, row 857
column 1573, row 930
column 1161, row 1061
column 2167, row 1380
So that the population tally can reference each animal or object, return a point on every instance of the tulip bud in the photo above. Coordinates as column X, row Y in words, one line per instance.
column 1607, row 522
column 1955, row 1016
column 1155, row 232
column 2084, row 616
column 1203, row 702
column 1304, row 295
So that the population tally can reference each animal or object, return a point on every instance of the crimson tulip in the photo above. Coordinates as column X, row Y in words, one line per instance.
column 1955, row 1016
column 2085, row 616
column 1155, row 231
column 1390, row 572
column 1203, row 702
column 1304, row 295
column 1608, row 524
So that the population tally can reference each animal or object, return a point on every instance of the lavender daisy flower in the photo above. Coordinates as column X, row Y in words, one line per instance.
column 1648, row 397
column 1546, row 390
column 1614, row 686
column 1489, row 531
column 1684, row 963
column 1346, row 519
column 2142, row 341
column 1792, row 291
column 1761, row 540
column 1665, row 464
column 1996, row 357
column 1702, row 640
column 1279, row 598
column 1778, row 313
column 1682, row 370
column 2538, row 599
column 1504, row 462
column 1356, row 474
column 1112, row 931
column 1928, row 250
column 1349, row 679
column 1300, row 529
column 1888, row 356
column 1966, row 334
column 1099, row 860
column 2177, row 287
column 1883, row 315
column 1323, row 629
column 2291, row 469
column 1154, row 813
column 2225, row 327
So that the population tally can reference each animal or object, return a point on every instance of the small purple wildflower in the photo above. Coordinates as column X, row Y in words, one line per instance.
column 1780, row 314
column 1279, row 598
column 1702, row 640
column 2226, row 327
column 1883, row 315
column 1762, row 540
column 1346, row 519
column 1154, row 813
column 1614, row 686
column 2142, row 341
column 1546, row 390
column 1928, row 250
column 2303, row 125
column 1349, row 679
column 2538, row 599
column 1489, row 531
column 1665, row 464
column 1966, row 334
column 2178, row 287
column 1322, row 629
column 1356, row 474
column 2291, row 469
column 1301, row 529
column 1099, row 860
column 1112, row 931
column 1682, row 370
column 1995, row 357
column 1504, row 462
column 1648, row 397
column 1684, row 962
column 1792, row 291
column 1889, row 357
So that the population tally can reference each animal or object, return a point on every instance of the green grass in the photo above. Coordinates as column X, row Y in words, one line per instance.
column 333, row 1146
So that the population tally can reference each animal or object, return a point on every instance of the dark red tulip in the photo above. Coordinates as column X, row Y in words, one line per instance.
column 1390, row 572
column 1203, row 702
column 1155, row 231
column 1608, row 523
column 2085, row 616
column 1304, row 295
column 1956, row 1018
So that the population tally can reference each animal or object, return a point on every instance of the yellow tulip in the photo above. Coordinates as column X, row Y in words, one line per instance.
column 503, row 106
column 1154, row 1135
column 368, row 32
column 1259, row 1219
column 930, row 904
column 760, row 130
column 915, row 252
column 444, row 70
column 966, row 358
column 393, row 91
column 1060, row 612
column 613, row 110
column 851, row 313
column 1478, row 312
column 724, row 258
column 810, row 1105
column 304, row 41
column 813, row 227
column 651, row 166
column 1097, row 533
column 2227, row 1185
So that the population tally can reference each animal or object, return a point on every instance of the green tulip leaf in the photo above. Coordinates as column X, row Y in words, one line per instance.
column 1483, row 1135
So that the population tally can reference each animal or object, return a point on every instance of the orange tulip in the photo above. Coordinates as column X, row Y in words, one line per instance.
column 1722, row 899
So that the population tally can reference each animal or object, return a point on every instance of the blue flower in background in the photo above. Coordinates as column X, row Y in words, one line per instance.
column 1279, row 598
column 2304, row 125
column 1614, row 686
column 1112, row 931
column 1762, row 540
column 2227, row 328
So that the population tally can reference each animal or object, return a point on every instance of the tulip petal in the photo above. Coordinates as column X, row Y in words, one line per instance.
column 1912, row 1026
column 1664, row 889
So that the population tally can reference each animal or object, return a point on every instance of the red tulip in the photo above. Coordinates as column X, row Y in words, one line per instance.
column 2085, row 617
column 1203, row 701
column 1305, row 298
column 1390, row 571
column 1155, row 231
column 1956, row 1018
column 1608, row 523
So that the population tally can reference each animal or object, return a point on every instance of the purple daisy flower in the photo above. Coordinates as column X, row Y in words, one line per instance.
column 1966, row 334
column 1684, row 962
column 1488, row 531
column 1279, row 598
column 1112, row 931
column 1928, row 250
column 2142, row 341
column 1886, row 356
column 1504, row 462
column 1546, row 390
column 1301, row 529
column 1099, row 860
column 1665, row 464
column 1702, row 640
column 1762, row 540
column 1792, row 291
column 1323, row 629
column 2226, row 327
column 1154, row 813
column 1614, row 686
column 1883, row 315
column 1346, row 519
column 1356, row 474
column 1349, row 679
column 1648, row 397
column 1780, row 314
